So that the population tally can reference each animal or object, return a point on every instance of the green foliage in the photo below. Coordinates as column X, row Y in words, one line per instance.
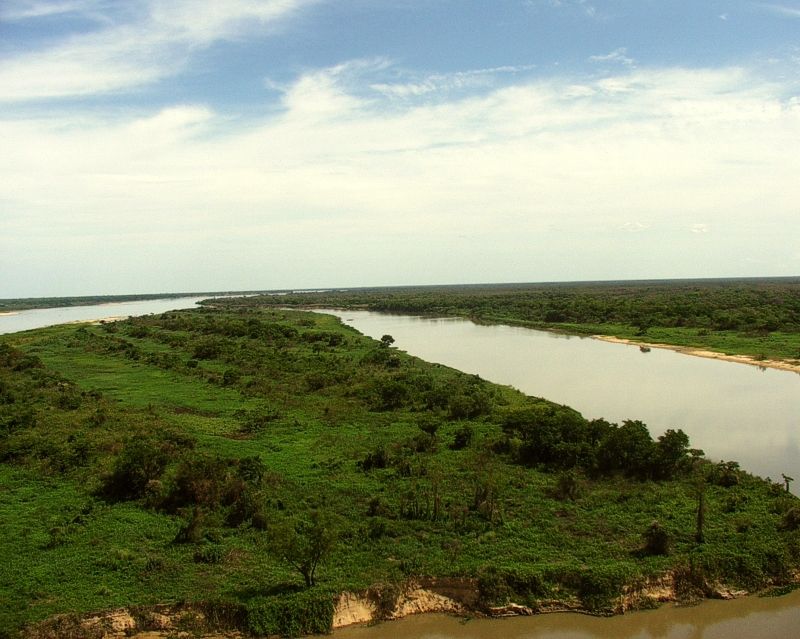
column 463, row 437
column 142, row 460
column 760, row 318
column 303, row 613
column 252, row 475
column 305, row 542
column 656, row 540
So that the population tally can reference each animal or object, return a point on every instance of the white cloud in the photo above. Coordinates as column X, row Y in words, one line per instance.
column 336, row 172
column 450, row 82
column 781, row 9
column 618, row 56
column 19, row 10
column 153, row 40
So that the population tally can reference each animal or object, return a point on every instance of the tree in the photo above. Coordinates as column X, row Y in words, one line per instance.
column 305, row 543
column 387, row 341
column 656, row 540
column 700, row 484
column 629, row 449
column 672, row 453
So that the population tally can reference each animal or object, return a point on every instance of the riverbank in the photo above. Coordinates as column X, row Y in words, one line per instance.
column 454, row 597
column 698, row 352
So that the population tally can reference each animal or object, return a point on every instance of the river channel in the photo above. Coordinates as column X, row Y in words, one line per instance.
column 39, row 317
column 732, row 411
column 747, row 618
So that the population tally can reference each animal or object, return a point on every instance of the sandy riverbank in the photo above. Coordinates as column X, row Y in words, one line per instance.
column 100, row 320
column 457, row 597
column 4, row 313
column 699, row 352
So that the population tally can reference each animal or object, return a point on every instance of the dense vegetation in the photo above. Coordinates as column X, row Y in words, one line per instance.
column 258, row 461
column 759, row 318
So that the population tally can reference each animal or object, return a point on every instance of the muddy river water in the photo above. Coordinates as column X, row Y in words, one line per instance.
column 746, row 618
column 731, row 411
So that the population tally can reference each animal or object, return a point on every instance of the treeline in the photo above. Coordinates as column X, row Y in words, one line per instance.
column 716, row 305
column 26, row 303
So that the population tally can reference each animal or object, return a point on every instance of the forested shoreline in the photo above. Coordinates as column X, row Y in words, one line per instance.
column 758, row 318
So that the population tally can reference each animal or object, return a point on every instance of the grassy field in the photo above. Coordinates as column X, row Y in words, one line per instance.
column 199, row 456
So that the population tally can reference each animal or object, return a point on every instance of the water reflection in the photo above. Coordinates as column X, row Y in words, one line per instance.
column 748, row 618
column 40, row 317
column 732, row 411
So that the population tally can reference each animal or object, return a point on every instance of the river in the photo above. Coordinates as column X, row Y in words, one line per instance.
column 39, row 317
column 746, row 618
column 732, row 411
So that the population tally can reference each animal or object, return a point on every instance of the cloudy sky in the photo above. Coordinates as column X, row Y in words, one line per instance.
column 181, row 145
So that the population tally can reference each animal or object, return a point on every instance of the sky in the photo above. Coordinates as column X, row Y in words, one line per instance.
column 177, row 145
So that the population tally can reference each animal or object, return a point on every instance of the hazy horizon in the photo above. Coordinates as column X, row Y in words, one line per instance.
column 334, row 288
column 182, row 145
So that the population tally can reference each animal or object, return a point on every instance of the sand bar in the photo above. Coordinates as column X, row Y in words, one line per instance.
column 782, row 365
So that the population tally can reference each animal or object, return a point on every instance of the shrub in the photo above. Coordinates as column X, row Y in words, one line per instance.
column 207, row 348
column 255, row 421
column 191, row 532
column 599, row 586
column 378, row 458
column 567, row 486
column 492, row 587
column 725, row 474
column 463, row 437
column 142, row 460
column 302, row 613
column 209, row 554
column 791, row 519
column 200, row 480
column 656, row 540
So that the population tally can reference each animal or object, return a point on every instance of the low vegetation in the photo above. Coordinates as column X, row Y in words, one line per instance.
column 257, row 462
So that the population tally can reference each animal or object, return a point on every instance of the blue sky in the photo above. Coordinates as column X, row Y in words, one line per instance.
column 154, row 145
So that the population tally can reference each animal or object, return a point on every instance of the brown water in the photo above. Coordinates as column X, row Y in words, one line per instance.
column 732, row 411
column 746, row 618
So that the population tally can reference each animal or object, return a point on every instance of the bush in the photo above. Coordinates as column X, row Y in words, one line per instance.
column 791, row 519
column 378, row 458
column 725, row 474
column 303, row 613
column 198, row 481
column 209, row 554
column 255, row 421
column 207, row 348
column 656, row 540
column 142, row 460
column 599, row 586
column 567, row 486
column 463, row 437
column 493, row 589
column 191, row 532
